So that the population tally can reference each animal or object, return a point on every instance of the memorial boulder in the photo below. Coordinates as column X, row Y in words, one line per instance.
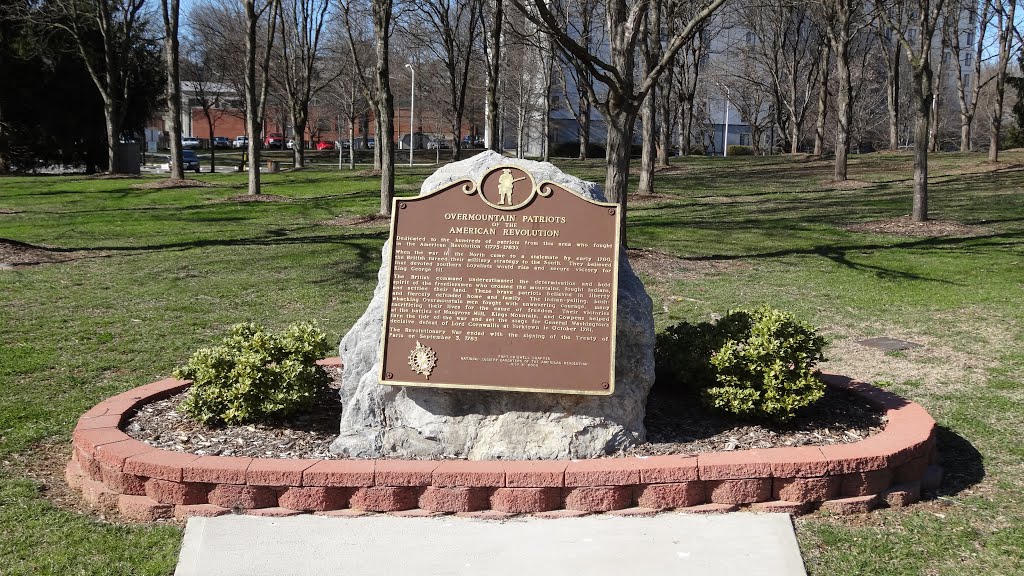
column 506, row 324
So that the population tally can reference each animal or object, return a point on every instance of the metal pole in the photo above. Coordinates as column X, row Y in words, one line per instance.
column 725, row 133
column 412, row 109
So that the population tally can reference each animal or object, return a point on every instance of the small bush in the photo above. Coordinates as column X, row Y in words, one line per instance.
column 736, row 150
column 755, row 364
column 255, row 375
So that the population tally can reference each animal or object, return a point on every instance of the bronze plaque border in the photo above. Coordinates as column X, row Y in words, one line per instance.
column 470, row 187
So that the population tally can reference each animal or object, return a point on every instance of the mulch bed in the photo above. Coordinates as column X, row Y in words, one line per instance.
column 257, row 198
column 169, row 183
column 674, row 426
column 366, row 221
column 668, row 267
column 904, row 226
column 645, row 199
column 14, row 253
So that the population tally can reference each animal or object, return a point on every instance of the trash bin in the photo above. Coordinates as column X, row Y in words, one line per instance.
column 273, row 165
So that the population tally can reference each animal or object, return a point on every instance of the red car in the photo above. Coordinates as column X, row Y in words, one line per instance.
column 325, row 145
column 273, row 140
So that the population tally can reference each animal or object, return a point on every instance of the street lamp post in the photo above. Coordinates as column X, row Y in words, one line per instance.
column 412, row 110
column 725, row 132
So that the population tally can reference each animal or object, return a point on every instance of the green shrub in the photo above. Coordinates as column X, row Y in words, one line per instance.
column 755, row 364
column 255, row 375
column 736, row 150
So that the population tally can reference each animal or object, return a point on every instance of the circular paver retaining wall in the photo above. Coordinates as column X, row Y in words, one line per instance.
column 117, row 473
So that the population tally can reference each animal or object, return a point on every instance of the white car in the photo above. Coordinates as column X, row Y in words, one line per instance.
column 189, row 142
column 240, row 142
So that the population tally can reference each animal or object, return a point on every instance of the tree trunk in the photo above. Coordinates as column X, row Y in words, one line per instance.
column 618, row 148
column 922, row 77
column 492, row 120
column 113, row 135
column 933, row 135
column 844, row 108
column 997, row 123
column 298, row 142
column 351, row 144
column 253, row 102
column 651, row 53
column 819, row 126
column 213, row 149
column 173, row 92
column 665, row 120
column 648, row 152
column 892, row 99
column 385, row 107
column 386, row 146
column 965, row 131
column 584, row 105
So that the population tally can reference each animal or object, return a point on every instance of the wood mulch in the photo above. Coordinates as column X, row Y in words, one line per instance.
column 904, row 226
column 363, row 221
column 14, row 253
column 169, row 183
column 646, row 199
column 257, row 198
column 668, row 267
column 674, row 426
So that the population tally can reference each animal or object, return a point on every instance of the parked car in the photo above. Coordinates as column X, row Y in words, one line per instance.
column 240, row 142
column 189, row 142
column 190, row 160
column 325, row 145
column 274, row 140
column 221, row 142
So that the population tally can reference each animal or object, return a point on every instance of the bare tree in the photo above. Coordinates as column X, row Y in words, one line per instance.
column 689, row 69
column 795, row 70
column 492, row 22
column 842, row 20
column 171, row 11
column 650, row 52
column 449, row 33
column 1003, row 11
column 260, row 22
column 581, row 21
column 382, row 17
column 120, row 25
column 301, row 30
column 360, row 44
column 204, row 75
column 917, row 43
column 892, row 54
column 626, row 89
column 969, row 85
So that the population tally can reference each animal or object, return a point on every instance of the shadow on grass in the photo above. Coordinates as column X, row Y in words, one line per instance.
column 962, row 464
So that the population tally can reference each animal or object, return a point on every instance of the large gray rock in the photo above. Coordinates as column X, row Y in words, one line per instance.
column 380, row 421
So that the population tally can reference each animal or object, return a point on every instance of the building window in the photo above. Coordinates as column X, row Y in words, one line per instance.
column 968, row 59
column 744, row 139
column 967, row 81
column 972, row 17
column 970, row 37
column 912, row 34
column 751, row 38
column 945, row 57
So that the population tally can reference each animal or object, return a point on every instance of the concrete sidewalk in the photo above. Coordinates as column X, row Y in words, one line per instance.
column 720, row 545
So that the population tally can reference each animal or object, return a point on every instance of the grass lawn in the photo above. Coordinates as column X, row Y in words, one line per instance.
column 148, row 275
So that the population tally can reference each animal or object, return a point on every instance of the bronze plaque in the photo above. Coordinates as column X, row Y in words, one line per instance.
column 502, row 284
